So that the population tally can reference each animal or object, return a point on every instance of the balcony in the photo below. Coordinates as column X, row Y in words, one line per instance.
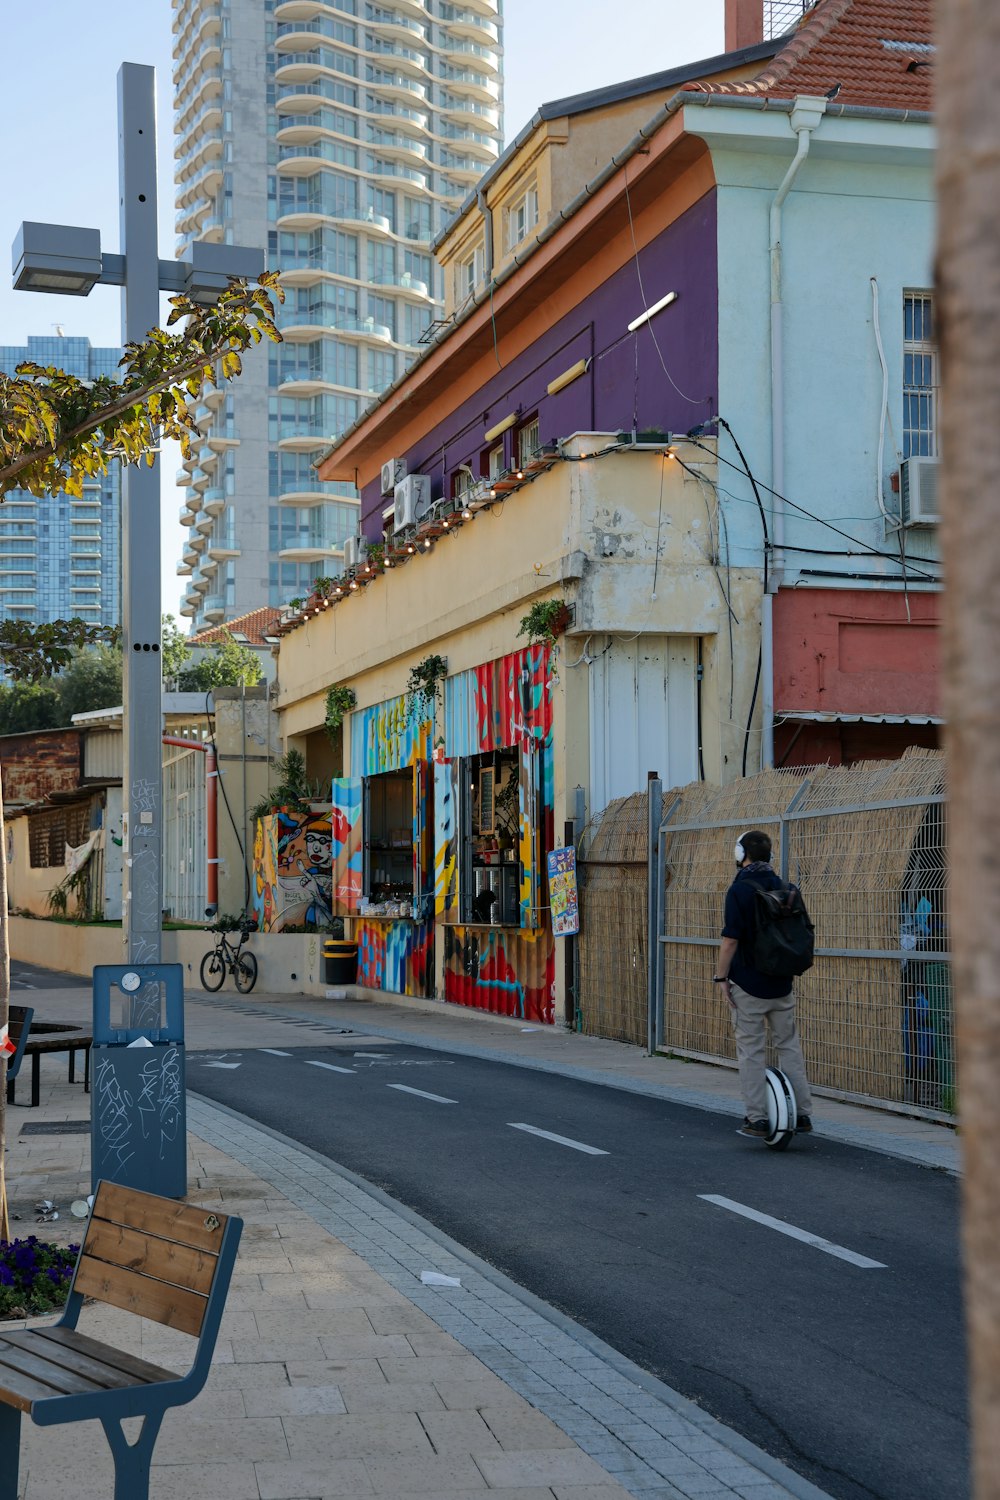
column 309, row 549
column 205, row 22
column 393, row 23
column 214, row 502
column 207, row 119
column 466, row 84
column 190, row 556
column 464, row 169
column 403, row 281
column 204, row 525
column 302, row 322
column 460, row 107
column 187, row 512
column 412, row 63
column 311, row 215
column 391, row 143
column 468, row 24
column 303, row 67
column 184, row 569
column 472, row 143
column 395, row 85
column 200, row 585
column 204, row 182
column 397, row 172
column 223, row 549
column 215, row 607
column 484, row 56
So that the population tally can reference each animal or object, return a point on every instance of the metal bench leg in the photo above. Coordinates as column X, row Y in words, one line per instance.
column 10, row 1444
column 36, row 1079
column 11, row 1083
column 72, row 1065
column 86, row 1070
column 132, row 1460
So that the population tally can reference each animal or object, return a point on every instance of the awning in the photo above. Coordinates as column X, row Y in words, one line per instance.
column 811, row 716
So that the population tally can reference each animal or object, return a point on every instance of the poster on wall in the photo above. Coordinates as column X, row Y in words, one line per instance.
column 562, row 892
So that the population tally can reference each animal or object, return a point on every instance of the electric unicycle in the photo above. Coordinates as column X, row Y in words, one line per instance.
column 782, row 1112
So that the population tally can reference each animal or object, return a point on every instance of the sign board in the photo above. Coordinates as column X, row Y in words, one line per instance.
column 562, row 892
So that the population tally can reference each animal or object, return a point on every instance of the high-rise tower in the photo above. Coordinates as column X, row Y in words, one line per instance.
column 60, row 557
column 342, row 135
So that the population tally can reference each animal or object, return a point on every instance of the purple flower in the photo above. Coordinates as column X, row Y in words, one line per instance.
column 6, row 1277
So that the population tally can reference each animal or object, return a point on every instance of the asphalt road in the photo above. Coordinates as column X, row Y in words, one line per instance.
column 850, row 1373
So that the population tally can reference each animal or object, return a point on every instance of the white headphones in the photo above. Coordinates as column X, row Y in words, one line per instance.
column 738, row 850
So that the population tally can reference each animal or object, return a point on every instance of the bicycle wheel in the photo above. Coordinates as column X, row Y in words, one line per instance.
column 245, row 973
column 213, row 970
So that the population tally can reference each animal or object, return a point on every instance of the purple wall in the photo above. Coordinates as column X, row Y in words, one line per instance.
column 625, row 386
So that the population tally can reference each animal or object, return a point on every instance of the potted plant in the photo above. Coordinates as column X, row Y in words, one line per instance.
column 340, row 700
column 292, row 792
column 423, row 685
column 545, row 620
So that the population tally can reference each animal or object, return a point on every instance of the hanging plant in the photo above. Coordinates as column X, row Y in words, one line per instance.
column 340, row 700
column 322, row 587
column 423, row 685
column 546, row 619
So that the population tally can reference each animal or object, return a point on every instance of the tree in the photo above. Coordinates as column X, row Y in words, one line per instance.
column 92, row 680
column 28, row 706
column 968, row 302
column 230, row 665
column 175, row 651
column 56, row 431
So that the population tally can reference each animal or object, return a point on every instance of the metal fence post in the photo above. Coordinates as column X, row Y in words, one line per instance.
column 654, row 814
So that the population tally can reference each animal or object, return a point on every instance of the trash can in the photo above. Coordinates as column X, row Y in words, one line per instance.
column 340, row 961
column 138, row 1118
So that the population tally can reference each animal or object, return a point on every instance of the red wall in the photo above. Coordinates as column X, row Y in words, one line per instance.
column 855, row 651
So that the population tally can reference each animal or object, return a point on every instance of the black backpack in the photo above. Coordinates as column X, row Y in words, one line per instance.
column 782, row 946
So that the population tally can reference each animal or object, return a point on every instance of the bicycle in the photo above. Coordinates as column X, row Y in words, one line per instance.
column 226, row 957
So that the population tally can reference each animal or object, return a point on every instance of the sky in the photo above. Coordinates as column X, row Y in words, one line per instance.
column 59, row 131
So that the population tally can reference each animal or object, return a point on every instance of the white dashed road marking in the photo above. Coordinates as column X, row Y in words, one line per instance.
column 274, row 1052
column 796, row 1234
column 331, row 1067
column 560, row 1140
column 437, row 1098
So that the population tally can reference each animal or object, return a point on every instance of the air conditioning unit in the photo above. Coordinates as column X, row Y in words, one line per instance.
column 412, row 501
column 355, row 548
column 393, row 473
column 918, row 492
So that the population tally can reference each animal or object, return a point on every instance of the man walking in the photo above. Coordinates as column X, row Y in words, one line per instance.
column 758, row 1000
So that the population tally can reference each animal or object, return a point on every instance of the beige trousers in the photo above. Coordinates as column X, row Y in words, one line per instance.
column 751, row 1017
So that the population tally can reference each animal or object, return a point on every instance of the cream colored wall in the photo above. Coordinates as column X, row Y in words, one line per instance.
column 247, row 738
column 587, row 532
column 28, row 889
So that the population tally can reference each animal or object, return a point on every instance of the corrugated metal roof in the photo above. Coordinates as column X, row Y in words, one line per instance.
column 810, row 717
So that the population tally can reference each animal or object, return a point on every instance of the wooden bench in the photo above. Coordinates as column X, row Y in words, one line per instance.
column 152, row 1256
column 35, row 1037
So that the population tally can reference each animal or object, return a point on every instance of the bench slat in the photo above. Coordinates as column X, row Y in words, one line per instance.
column 174, row 1306
column 200, row 1228
column 17, row 1358
column 71, row 1345
column 149, row 1256
column 22, row 1391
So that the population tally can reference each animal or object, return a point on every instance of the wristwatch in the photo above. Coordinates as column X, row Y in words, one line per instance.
column 720, row 978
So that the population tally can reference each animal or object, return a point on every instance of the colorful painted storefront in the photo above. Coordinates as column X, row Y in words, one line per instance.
column 440, row 834
column 292, row 871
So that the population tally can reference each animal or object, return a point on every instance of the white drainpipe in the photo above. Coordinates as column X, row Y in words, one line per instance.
column 805, row 117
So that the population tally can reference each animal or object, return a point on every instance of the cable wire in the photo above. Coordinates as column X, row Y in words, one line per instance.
column 225, row 798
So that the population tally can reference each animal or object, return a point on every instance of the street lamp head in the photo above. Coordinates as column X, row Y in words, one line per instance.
column 56, row 258
column 208, row 268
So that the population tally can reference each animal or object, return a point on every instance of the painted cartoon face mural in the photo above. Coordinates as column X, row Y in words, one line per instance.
column 293, row 871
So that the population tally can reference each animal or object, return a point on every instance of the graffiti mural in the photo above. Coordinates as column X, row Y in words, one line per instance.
column 396, row 955
column 506, row 972
column 389, row 737
column 446, row 842
column 346, row 844
column 293, row 871
column 500, row 705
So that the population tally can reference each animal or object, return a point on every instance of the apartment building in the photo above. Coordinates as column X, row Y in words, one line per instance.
column 61, row 557
column 342, row 135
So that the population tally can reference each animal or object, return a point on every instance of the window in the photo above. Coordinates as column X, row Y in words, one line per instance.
column 527, row 442
column 495, row 461
column 920, row 376
column 521, row 218
column 469, row 273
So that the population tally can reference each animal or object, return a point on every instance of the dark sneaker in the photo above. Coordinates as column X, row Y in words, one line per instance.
column 757, row 1130
column 804, row 1125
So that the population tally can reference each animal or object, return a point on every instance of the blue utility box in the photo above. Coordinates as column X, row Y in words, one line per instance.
column 138, row 1116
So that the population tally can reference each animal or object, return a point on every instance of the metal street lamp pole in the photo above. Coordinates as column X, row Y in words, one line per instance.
column 142, row 776
column 57, row 258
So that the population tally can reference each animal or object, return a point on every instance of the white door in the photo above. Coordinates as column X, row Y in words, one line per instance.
column 643, row 714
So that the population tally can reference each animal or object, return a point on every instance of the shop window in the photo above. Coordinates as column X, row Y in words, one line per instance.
column 389, row 873
column 490, row 876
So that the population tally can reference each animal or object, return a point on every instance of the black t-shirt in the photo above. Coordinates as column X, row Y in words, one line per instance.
column 739, row 924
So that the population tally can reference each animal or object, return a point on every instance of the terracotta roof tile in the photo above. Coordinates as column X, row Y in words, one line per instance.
column 877, row 53
column 255, row 626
